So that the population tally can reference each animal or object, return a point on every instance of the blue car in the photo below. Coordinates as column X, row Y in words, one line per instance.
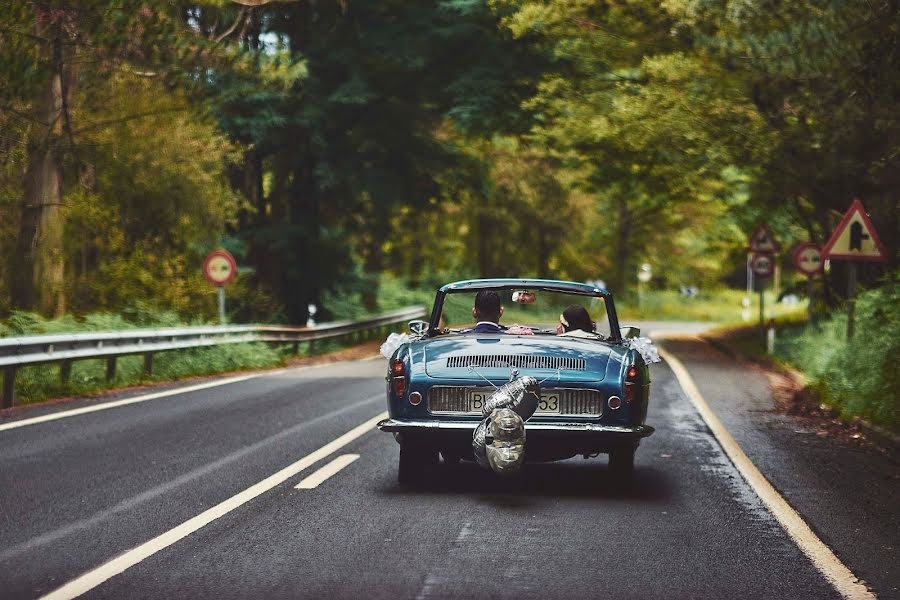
column 594, row 387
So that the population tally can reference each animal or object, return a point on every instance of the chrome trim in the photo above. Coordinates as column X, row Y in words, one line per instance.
column 633, row 431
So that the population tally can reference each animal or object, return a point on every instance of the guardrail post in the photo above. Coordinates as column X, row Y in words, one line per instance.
column 110, row 368
column 148, row 364
column 9, row 387
column 65, row 371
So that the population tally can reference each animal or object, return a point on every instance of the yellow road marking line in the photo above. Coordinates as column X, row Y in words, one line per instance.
column 95, row 577
column 838, row 575
column 325, row 472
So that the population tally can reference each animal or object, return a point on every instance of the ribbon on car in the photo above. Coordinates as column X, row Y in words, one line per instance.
column 393, row 341
column 499, row 440
column 645, row 348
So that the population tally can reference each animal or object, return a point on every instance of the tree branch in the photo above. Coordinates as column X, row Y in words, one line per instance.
column 25, row 34
column 125, row 119
column 230, row 30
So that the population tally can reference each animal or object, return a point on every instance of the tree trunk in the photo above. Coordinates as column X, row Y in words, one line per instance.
column 543, row 255
column 38, row 280
column 379, row 226
column 622, row 242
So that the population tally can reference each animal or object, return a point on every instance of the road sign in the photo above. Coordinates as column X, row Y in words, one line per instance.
column 219, row 267
column 762, row 264
column 762, row 241
column 808, row 259
column 855, row 238
column 646, row 273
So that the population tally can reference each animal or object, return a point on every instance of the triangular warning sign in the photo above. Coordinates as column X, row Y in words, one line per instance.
column 762, row 240
column 855, row 238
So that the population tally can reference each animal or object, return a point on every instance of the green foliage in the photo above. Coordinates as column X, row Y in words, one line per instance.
column 352, row 155
column 138, row 315
column 161, row 180
column 393, row 293
column 714, row 305
column 37, row 383
column 660, row 107
column 858, row 377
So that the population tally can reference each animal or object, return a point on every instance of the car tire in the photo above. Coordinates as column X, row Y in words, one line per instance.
column 621, row 461
column 416, row 461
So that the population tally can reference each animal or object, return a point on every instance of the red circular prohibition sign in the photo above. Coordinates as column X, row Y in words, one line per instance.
column 219, row 267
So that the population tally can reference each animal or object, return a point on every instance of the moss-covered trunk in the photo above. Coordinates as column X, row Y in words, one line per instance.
column 38, row 278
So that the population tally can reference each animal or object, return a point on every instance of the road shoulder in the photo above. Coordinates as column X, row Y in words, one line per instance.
column 847, row 494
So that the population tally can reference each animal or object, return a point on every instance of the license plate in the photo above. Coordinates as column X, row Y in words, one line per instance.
column 548, row 405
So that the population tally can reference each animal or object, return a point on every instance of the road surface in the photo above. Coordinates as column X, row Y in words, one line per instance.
column 193, row 495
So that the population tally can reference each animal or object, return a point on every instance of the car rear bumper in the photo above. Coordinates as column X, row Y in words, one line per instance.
column 546, row 441
column 564, row 430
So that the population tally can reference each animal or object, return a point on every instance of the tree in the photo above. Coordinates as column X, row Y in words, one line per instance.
column 49, row 50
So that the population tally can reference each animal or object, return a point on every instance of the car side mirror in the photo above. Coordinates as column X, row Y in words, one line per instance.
column 629, row 331
column 418, row 328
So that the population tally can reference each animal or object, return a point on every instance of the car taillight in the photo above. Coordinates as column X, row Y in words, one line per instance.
column 398, row 379
column 631, row 383
column 398, row 369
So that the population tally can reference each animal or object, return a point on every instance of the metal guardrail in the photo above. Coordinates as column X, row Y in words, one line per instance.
column 17, row 352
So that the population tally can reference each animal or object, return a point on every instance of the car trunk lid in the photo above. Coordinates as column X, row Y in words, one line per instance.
column 492, row 357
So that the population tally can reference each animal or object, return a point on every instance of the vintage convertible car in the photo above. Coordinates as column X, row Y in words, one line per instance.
column 594, row 387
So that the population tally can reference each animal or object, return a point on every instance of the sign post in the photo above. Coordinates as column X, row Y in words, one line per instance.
column 762, row 265
column 763, row 247
column 643, row 276
column 808, row 260
column 854, row 240
column 220, row 269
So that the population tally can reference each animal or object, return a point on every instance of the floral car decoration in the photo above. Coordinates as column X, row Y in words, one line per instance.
column 526, row 392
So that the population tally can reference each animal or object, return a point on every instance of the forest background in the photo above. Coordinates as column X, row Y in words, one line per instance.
column 341, row 148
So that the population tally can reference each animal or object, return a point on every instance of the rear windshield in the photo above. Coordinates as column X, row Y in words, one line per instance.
column 538, row 310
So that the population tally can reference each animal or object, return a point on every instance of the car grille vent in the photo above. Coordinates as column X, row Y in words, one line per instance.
column 503, row 361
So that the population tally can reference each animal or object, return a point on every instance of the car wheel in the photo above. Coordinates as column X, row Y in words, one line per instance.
column 416, row 460
column 621, row 461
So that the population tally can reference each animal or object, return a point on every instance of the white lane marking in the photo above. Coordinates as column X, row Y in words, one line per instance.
column 95, row 577
column 124, row 402
column 325, row 472
column 838, row 575
column 185, row 390
column 170, row 486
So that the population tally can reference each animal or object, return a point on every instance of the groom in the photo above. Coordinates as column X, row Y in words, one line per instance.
column 487, row 312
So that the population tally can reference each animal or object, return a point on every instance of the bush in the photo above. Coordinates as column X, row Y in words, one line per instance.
column 859, row 377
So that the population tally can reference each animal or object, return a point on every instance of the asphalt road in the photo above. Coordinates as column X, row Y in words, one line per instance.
column 79, row 491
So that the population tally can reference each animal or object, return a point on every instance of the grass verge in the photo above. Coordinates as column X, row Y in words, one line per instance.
column 857, row 377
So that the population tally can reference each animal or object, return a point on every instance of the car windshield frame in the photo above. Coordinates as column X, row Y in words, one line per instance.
column 541, row 285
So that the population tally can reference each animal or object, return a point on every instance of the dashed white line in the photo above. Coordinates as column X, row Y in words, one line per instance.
column 95, row 577
column 325, row 472
column 838, row 575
